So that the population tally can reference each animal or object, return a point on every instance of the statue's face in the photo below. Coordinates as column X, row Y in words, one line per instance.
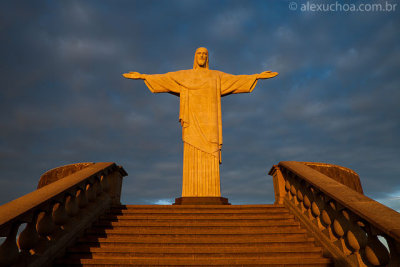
column 201, row 57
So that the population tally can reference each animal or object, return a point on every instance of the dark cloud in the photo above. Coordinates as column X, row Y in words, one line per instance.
column 63, row 99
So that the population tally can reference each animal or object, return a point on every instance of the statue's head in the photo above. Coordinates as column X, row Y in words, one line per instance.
column 201, row 58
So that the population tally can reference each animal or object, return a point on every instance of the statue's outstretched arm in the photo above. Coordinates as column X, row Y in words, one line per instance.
column 266, row 74
column 134, row 75
column 157, row 83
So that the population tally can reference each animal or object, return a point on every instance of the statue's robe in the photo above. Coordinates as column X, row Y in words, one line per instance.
column 200, row 92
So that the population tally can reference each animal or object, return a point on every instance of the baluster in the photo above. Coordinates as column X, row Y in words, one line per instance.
column 339, row 227
column 300, row 199
column 375, row 252
column 60, row 215
column 104, row 183
column 300, row 196
column 81, row 198
column 90, row 192
column 97, row 186
column 9, row 250
column 72, row 210
column 287, row 187
column 71, row 206
column 293, row 194
column 308, row 199
column 315, row 210
column 317, row 206
column 394, row 248
column 327, row 217
column 288, row 184
column 293, row 190
column 29, row 237
column 356, row 239
column 44, row 224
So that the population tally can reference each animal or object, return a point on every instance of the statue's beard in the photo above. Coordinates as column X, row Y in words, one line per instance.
column 202, row 63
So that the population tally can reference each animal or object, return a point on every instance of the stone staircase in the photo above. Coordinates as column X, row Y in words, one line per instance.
column 200, row 235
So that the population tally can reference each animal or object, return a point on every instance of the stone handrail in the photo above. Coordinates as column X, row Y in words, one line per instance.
column 53, row 216
column 347, row 224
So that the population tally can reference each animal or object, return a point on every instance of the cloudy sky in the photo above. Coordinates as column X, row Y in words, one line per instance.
column 63, row 99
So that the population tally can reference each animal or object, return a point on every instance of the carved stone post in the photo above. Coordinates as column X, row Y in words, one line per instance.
column 279, row 184
column 115, row 184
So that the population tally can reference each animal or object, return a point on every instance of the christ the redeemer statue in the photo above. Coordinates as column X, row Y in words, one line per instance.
column 200, row 90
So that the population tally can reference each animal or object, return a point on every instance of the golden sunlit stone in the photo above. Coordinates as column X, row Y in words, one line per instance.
column 200, row 90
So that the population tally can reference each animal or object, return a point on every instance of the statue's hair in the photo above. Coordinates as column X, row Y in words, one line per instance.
column 195, row 65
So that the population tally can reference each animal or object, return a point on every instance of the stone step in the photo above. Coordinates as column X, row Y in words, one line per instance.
column 201, row 238
column 188, row 216
column 196, row 230
column 206, row 237
column 197, row 250
column 199, row 207
column 275, row 261
column 290, row 243
column 215, row 255
column 195, row 222
column 195, row 210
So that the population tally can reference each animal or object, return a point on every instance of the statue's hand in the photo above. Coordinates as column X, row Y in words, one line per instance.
column 266, row 75
column 133, row 75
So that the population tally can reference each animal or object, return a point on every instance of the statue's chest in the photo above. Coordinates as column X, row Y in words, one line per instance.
column 203, row 81
column 201, row 89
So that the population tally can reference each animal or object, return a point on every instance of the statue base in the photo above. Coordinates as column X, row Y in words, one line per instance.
column 201, row 201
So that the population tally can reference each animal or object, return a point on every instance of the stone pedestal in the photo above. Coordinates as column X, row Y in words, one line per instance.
column 201, row 201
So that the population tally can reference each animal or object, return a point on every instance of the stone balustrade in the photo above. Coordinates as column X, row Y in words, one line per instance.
column 40, row 225
column 348, row 225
